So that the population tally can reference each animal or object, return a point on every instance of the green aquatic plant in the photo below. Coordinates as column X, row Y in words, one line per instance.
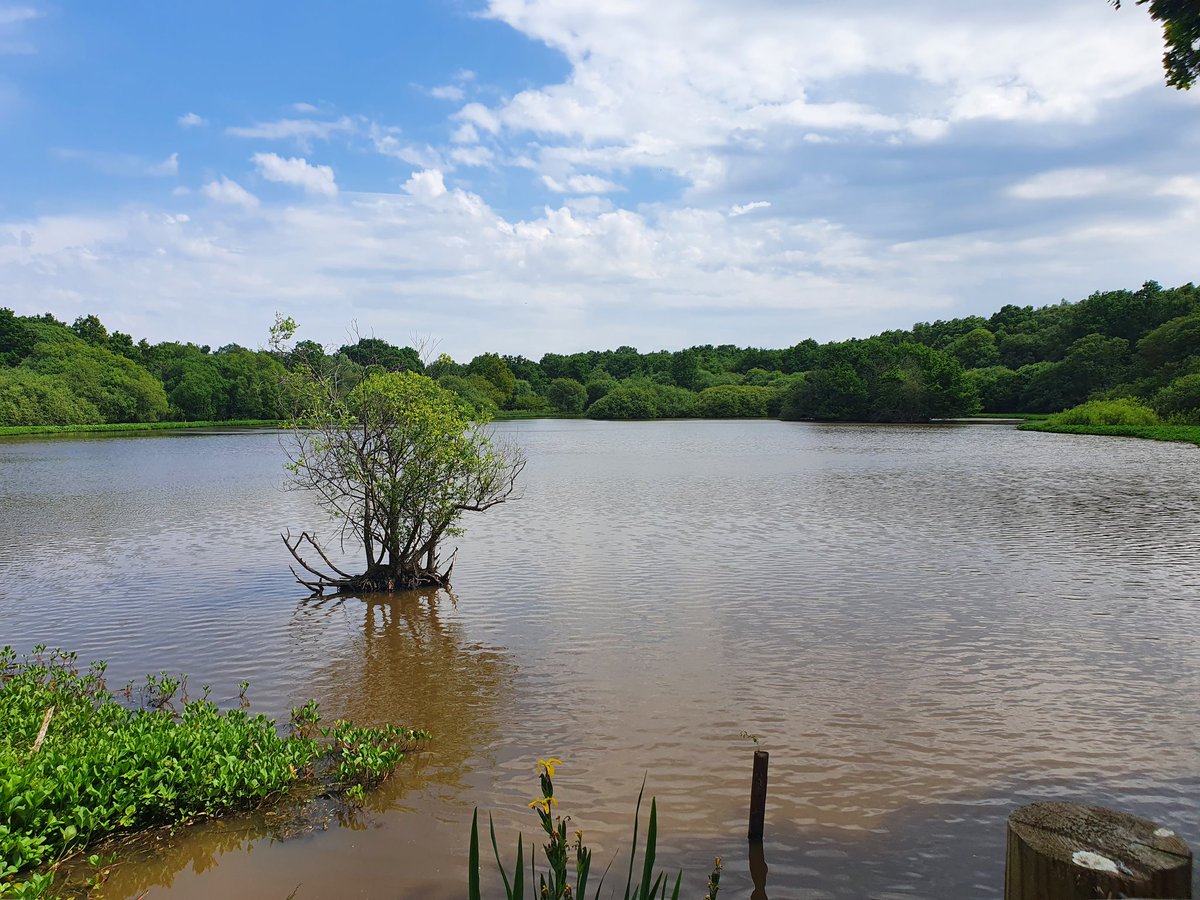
column 556, row 883
column 79, row 762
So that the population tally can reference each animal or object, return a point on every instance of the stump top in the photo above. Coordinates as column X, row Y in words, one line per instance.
column 1101, row 839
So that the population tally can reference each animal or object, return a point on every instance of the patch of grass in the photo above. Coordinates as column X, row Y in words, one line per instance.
column 134, row 426
column 1184, row 433
column 1003, row 415
column 79, row 763
column 506, row 414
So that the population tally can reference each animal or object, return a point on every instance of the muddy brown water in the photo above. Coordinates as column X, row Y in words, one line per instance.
column 925, row 626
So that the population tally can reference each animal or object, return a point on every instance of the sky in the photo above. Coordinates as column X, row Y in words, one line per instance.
column 533, row 176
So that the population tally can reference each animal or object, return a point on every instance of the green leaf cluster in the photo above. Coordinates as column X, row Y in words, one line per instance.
column 79, row 763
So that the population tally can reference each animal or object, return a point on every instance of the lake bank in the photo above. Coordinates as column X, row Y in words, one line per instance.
column 1189, row 434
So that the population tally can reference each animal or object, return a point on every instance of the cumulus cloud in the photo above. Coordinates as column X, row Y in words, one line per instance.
column 683, row 83
column 297, row 171
column 230, row 193
column 192, row 120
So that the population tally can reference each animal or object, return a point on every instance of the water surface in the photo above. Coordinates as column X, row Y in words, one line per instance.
column 925, row 626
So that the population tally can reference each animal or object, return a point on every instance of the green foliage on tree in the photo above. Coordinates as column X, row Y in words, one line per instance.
column 567, row 396
column 27, row 398
column 120, row 389
column 1181, row 35
column 16, row 338
column 395, row 462
column 1179, row 401
column 625, row 402
column 500, row 381
column 373, row 351
column 878, row 381
column 1171, row 342
column 734, row 402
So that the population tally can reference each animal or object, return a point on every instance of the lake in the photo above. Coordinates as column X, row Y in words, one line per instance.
column 925, row 626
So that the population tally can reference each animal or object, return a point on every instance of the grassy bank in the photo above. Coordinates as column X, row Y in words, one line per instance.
column 135, row 426
column 1185, row 433
column 507, row 414
column 80, row 763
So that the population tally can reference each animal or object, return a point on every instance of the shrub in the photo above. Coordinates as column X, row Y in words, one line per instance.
column 625, row 402
column 1179, row 401
column 1106, row 412
column 734, row 402
column 567, row 395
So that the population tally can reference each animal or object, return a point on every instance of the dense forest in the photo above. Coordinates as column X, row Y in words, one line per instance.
column 1143, row 345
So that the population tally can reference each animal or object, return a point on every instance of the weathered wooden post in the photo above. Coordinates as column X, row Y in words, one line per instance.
column 758, row 795
column 1065, row 851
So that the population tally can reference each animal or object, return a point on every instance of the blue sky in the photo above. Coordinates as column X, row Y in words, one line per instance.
column 532, row 176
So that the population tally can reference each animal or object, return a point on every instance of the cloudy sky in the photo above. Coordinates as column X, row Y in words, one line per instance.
column 528, row 176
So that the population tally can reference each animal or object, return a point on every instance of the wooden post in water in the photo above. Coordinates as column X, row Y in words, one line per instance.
column 1064, row 851
column 758, row 795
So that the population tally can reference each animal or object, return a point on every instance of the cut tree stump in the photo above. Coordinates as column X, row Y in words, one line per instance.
column 1065, row 851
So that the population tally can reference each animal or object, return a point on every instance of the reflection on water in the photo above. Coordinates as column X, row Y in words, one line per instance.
column 925, row 626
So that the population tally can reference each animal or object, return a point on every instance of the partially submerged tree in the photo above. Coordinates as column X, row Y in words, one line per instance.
column 396, row 459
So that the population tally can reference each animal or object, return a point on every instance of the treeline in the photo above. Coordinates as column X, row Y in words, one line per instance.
column 1142, row 345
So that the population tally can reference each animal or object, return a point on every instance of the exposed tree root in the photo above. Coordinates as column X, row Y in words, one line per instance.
column 379, row 578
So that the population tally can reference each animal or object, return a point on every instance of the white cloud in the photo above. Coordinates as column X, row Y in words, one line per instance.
column 299, row 129
column 427, row 185
column 743, row 208
column 450, row 92
column 304, row 107
column 230, row 193
column 472, row 156
column 581, row 184
column 192, row 120
column 434, row 256
column 298, row 171
column 676, row 84
column 169, row 166
column 1073, row 183
column 465, row 134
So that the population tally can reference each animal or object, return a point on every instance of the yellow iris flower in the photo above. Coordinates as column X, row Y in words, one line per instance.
column 543, row 803
column 547, row 765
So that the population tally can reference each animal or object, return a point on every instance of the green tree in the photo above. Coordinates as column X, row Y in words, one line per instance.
column 373, row 351
column 495, row 371
column 119, row 388
column 625, row 402
column 27, row 398
column 567, row 396
column 975, row 350
column 1181, row 34
column 1171, row 342
column 16, row 338
column 734, row 402
column 1179, row 401
column 396, row 462
column 90, row 329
